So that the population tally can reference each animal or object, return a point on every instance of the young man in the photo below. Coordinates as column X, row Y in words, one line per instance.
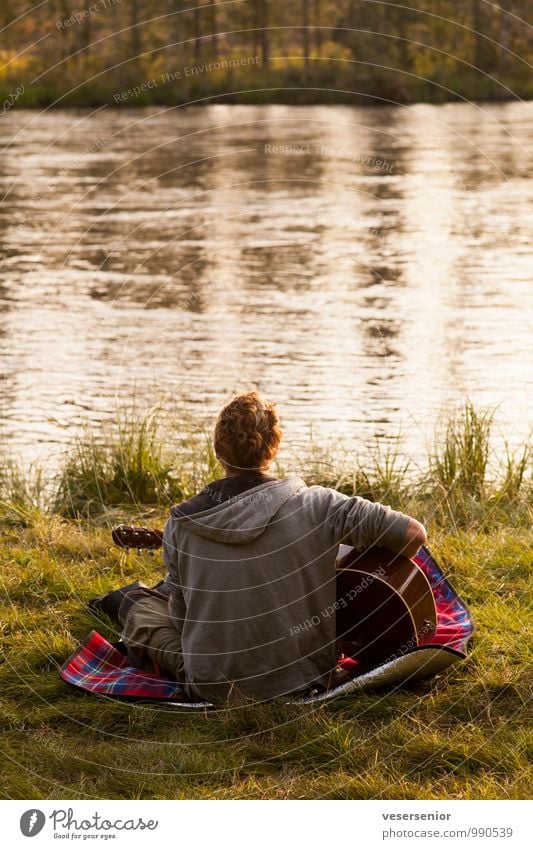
column 250, row 559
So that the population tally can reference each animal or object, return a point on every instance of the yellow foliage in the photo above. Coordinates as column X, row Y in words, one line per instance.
column 10, row 65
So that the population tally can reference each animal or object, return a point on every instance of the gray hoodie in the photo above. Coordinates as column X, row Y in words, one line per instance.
column 253, row 584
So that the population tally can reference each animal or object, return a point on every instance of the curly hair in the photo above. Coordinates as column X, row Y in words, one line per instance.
column 247, row 433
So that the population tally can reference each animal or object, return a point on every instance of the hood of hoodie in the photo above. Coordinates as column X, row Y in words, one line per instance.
column 243, row 517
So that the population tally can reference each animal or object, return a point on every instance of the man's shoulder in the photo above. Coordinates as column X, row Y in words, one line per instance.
column 318, row 492
column 316, row 499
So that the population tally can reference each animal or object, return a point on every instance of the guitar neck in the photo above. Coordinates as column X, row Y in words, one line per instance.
column 130, row 536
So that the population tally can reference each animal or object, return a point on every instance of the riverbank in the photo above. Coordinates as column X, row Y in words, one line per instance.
column 461, row 735
column 153, row 459
column 261, row 86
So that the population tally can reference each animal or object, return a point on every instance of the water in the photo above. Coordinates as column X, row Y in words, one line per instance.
column 364, row 267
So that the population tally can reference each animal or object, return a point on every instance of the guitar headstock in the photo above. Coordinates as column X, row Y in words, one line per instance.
column 130, row 536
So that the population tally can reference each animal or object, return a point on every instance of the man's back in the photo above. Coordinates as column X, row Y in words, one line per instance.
column 254, row 582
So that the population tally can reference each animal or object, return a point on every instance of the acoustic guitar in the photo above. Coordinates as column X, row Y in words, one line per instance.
column 385, row 605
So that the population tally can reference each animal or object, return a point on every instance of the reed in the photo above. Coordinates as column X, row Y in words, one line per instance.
column 23, row 493
column 388, row 474
column 515, row 470
column 380, row 476
column 468, row 484
column 143, row 459
column 156, row 458
column 127, row 465
column 460, row 456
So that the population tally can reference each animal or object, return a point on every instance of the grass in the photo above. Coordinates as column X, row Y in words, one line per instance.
column 325, row 82
column 463, row 734
column 461, row 456
column 132, row 464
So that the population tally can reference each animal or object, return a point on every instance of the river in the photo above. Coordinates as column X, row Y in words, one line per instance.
column 366, row 268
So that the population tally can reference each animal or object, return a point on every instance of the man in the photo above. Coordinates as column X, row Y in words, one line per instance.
column 250, row 559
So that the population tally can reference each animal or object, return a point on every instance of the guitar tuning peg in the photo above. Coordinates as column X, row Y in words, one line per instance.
column 139, row 550
column 150, row 553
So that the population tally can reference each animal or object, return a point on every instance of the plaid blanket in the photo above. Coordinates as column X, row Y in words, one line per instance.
column 100, row 667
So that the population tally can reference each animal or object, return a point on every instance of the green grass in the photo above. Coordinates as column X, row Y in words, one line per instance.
column 143, row 459
column 156, row 459
column 326, row 82
column 463, row 734
column 460, row 735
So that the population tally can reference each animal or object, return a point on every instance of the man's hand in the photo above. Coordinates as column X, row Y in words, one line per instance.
column 414, row 538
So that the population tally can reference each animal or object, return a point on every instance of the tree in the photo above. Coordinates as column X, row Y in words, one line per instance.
column 262, row 18
column 135, row 34
column 305, row 32
column 213, row 23
column 197, row 32
column 318, row 26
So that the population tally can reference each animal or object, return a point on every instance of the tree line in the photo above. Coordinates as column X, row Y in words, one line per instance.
column 85, row 51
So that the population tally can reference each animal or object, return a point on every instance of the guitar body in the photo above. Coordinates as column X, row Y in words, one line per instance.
column 384, row 601
column 385, row 604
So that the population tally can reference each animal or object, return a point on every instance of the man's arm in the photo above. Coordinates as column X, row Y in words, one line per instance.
column 363, row 523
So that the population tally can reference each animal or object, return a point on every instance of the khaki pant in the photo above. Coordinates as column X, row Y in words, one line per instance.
column 149, row 634
column 150, row 637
